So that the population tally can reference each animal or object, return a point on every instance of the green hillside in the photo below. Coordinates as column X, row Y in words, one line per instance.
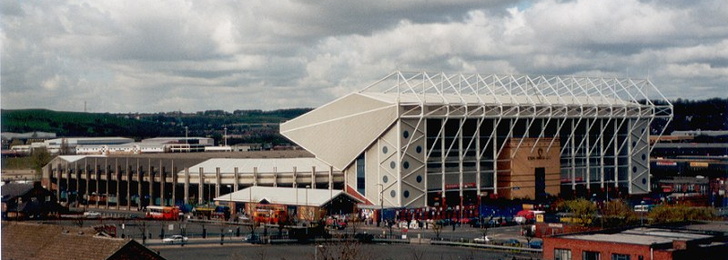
column 247, row 125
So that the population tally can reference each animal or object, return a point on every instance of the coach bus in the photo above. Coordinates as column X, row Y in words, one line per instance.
column 162, row 212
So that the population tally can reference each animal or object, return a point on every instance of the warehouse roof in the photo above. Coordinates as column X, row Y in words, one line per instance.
column 285, row 196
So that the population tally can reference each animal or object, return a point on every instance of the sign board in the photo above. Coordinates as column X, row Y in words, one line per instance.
column 539, row 218
column 556, row 225
column 698, row 164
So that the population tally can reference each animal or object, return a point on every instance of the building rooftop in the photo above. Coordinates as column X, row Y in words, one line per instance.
column 641, row 236
column 38, row 241
column 285, row 196
column 263, row 165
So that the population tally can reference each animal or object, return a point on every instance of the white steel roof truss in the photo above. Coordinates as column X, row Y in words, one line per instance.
column 485, row 86
column 454, row 140
column 533, row 116
column 571, row 135
column 493, row 136
column 552, row 115
column 662, row 111
column 581, row 116
column 472, row 140
column 437, row 139
column 588, row 129
column 508, row 136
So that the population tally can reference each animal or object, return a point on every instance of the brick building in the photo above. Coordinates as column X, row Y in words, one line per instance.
column 636, row 244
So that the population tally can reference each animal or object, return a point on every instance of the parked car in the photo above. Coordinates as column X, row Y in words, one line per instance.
column 91, row 214
column 536, row 244
column 482, row 239
column 512, row 242
column 175, row 238
column 252, row 238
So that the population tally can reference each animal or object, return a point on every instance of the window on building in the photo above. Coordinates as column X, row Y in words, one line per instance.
column 562, row 254
column 360, row 179
column 589, row 255
column 620, row 257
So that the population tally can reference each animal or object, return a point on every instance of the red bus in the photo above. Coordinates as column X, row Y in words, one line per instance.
column 162, row 212
column 271, row 214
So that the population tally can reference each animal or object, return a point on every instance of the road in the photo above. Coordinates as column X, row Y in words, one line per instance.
column 333, row 251
column 234, row 248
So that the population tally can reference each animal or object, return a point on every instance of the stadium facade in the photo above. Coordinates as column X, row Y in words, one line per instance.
column 433, row 139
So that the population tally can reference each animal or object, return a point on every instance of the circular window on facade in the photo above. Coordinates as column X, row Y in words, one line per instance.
column 634, row 144
column 385, row 150
column 405, row 164
column 405, row 134
column 634, row 169
column 392, row 193
column 385, row 179
column 419, row 178
column 644, row 157
column 644, row 181
column 392, row 165
column 418, row 149
column 405, row 194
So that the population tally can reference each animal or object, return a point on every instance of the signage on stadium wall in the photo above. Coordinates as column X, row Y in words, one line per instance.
column 698, row 164
column 540, row 156
column 456, row 186
column 666, row 163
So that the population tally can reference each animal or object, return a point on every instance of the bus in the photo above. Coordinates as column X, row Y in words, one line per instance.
column 162, row 212
column 271, row 214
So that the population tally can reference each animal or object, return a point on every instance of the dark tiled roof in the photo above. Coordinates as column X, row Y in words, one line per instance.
column 37, row 241
column 15, row 189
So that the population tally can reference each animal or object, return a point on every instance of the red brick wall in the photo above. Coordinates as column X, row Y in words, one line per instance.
column 606, row 249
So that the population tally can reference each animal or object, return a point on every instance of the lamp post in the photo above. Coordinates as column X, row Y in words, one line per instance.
column 186, row 134
column 381, row 201
column 231, row 203
column 224, row 136
column 307, row 186
column 642, row 213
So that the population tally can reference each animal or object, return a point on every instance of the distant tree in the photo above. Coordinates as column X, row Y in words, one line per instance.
column 39, row 158
column 437, row 228
column 679, row 213
column 65, row 148
column 617, row 213
column 583, row 210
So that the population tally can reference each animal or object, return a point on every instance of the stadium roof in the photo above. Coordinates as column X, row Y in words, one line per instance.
column 340, row 130
column 285, row 196
column 266, row 165
column 424, row 87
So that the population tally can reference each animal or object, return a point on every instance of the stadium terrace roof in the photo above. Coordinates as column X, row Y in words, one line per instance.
column 263, row 165
column 424, row 88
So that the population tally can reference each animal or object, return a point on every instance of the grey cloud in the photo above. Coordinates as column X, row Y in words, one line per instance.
column 176, row 55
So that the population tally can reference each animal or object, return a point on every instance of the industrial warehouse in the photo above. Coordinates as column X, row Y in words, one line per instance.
column 417, row 140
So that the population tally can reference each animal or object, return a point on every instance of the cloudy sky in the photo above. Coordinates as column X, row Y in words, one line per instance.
column 159, row 56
